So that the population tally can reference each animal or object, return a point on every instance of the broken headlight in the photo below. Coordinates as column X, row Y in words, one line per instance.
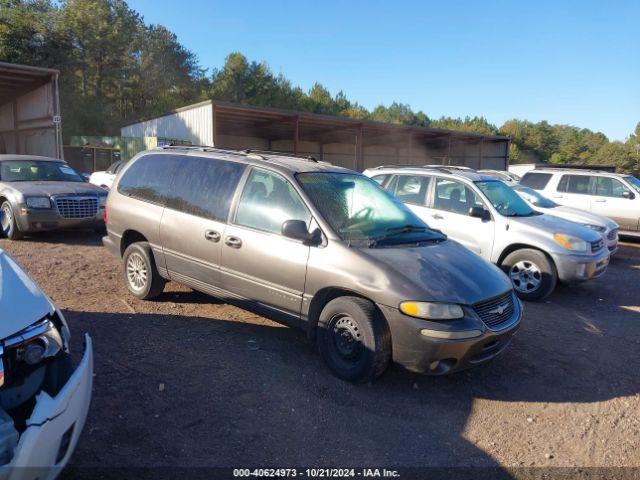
column 31, row 346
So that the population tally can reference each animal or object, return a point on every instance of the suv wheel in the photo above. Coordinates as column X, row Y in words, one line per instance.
column 140, row 272
column 532, row 273
column 9, row 225
column 353, row 339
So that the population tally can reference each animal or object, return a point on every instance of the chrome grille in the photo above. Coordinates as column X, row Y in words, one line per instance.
column 613, row 234
column 82, row 207
column 597, row 246
column 495, row 311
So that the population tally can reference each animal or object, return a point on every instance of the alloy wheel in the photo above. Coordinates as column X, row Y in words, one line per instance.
column 525, row 276
column 137, row 273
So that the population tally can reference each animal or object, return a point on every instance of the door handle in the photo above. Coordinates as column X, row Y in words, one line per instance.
column 212, row 235
column 233, row 242
column 557, row 196
column 600, row 200
column 437, row 216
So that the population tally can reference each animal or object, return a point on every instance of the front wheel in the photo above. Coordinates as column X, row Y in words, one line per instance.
column 9, row 224
column 353, row 339
column 532, row 274
column 140, row 273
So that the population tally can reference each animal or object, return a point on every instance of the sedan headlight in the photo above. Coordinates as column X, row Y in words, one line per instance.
column 38, row 202
column 570, row 242
column 432, row 310
column 597, row 228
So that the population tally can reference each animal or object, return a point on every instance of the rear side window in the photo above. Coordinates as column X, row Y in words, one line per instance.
column 204, row 187
column 412, row 188
column 535, row 180
column 579, row 184
column 149, row 178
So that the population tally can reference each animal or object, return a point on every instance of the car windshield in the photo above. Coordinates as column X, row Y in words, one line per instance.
column 535, row 198
column 358, row 209
column 37, row 171
column 504, row 199
column 634, row 182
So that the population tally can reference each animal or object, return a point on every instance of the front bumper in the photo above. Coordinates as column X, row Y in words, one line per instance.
column 35, row 220
column 573, row 268
column 54, row 427
column 439, row 356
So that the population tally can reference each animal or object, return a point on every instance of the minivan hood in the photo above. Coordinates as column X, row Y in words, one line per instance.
column 552, row 224
column 442, row 272
column 56, row 188
column 581, row 216
column 22, row 303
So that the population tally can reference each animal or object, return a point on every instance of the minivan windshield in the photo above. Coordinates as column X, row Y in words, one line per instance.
column 358, row 209
column 634, row 182
column 534, row 197
column 37, row 171
column 504, row 199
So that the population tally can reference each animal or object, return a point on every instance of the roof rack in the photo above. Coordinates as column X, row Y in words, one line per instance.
column 249, row 151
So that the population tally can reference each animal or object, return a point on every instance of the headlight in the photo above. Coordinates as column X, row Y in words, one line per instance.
column 597, row 228
column 570, row 242
column 38, row 202
column 102, row 200
column 432, row 311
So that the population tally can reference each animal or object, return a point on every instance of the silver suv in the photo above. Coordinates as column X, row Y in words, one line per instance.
column 487, row 216
column 313, row 246
column 608, row 194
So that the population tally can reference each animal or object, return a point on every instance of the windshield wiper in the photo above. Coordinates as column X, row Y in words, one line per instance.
column 405, row 229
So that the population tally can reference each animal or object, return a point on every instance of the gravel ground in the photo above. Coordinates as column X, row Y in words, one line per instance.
column 189, row 381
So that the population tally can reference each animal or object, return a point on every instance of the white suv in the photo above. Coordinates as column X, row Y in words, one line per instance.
column 609, row 194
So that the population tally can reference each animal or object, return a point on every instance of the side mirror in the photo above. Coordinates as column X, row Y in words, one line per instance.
column 628, row 194
column 297, row 229
column 85, row 176
column 479, row 212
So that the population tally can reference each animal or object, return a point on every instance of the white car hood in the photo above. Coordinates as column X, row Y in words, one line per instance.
column 581, row 216
column 22, row 303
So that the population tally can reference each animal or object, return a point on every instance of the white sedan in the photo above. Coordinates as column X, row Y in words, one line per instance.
column 44, row 400
column 605, row 226
column 105, row 179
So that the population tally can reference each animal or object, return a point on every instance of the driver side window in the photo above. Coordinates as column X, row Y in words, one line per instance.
column 455, row 197
column 267, row 201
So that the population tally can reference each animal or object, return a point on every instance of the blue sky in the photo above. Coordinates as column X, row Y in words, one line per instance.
column 572, row 62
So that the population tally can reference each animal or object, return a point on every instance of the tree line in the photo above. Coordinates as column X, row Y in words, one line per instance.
column 115, row 69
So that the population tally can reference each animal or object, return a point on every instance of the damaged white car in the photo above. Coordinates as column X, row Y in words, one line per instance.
column 44, row 400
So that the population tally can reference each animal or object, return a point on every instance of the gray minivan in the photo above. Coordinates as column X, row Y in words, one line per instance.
column 313, row 246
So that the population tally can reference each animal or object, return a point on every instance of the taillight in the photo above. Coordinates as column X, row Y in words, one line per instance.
column 105, row 214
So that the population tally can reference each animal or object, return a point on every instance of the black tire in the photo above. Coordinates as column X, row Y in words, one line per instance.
column 10, row 227
column 353, row 339
column 539, row 277
column 141, row 276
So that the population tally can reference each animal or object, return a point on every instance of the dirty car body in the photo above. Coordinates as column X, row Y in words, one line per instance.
column 294, row 237
column 44, row 400
column 41, row 193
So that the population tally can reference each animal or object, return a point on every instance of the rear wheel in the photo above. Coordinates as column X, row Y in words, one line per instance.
column 140, row 273
column 9, row 224
column 532, row 273
column 353, row 339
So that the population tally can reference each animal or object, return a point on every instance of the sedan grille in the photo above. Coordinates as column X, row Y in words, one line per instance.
column 495, row 311
column 613, row 234
column 597, row 246
column 70, row 207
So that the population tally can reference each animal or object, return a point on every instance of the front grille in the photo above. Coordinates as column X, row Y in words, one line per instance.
column 495, row 311
column 597, row 246
column 84, row 207
column 613, row 234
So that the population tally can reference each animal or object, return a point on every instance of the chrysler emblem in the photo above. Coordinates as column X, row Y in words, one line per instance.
column 500, row 309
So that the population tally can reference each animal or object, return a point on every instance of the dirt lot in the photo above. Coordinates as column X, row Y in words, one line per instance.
column 189, row 381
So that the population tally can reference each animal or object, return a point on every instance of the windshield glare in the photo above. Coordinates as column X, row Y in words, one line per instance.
column 357, row 208
column 535, row 198
column 37, row 171
column 504, row 199
column 634, row 182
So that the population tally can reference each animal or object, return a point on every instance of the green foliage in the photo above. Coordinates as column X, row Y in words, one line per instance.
column 115, row 68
